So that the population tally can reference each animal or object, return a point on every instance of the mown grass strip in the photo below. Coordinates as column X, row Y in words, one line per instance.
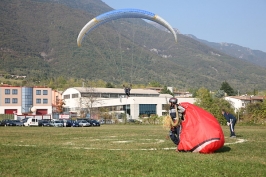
column 124, row 150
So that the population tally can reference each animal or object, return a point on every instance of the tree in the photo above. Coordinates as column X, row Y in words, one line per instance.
column 256, row 112
column 59, row 105
column 219, row 93
column 204, row 98
column 212, row 104
column 227, row 89
column 88, row 100
column 109, row 85
column 154, row 84
column 166, row 91
column 105, row 114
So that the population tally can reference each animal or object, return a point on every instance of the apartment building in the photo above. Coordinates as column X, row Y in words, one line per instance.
column 25, row 100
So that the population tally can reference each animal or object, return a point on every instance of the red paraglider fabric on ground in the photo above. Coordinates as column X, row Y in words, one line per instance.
column 201, row 132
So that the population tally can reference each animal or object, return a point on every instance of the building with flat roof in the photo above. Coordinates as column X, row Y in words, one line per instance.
column 23, row 100
column 142, row 102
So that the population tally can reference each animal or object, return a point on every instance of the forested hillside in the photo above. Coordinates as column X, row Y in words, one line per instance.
column 38, row 39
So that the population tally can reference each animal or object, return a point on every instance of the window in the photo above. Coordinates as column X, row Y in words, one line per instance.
column 38, row 100
column 105, row 95
column 114, row 95
column 66, row 96
column 165, row 106
column 14, row 100
column 45, row 92
column 14, row 91
column 147, row 109
column 76, row 95
column 7, row 100
column 45, row 101
column 38, row 92
column 26, row 99
column 7, row 91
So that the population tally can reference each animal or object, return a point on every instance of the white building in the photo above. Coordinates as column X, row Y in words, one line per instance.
column 140, row 102
column 239, row 102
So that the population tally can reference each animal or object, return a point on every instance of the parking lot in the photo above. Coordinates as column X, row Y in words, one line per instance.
column 30, row 122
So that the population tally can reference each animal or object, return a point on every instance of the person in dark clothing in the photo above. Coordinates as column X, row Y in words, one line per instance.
column 176, row 112
column 127, row 90
column 231, row 121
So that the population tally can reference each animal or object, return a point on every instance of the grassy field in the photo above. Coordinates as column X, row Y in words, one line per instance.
column 124, row 150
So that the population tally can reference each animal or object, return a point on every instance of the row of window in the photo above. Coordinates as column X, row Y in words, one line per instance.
column 107, row 95
column 15, row 92
column 39, row 101
column 76, row 95
column 44, row 92
column 15, row 100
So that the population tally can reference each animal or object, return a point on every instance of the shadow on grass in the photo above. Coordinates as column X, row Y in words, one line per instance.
column 223, row 149
column 239, row 136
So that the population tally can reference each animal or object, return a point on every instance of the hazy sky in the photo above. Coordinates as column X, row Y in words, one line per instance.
column 242, row 22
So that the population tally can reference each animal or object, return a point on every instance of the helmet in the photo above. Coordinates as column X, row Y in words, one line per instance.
column 173, row 100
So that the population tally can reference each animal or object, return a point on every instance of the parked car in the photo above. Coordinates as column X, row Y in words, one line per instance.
column 63, row 121
column 106, row 121
column 7, row 122
column 31, row 122
column 24, row 120
column 72, row 123
column 94, row 122
column 57, row 123
column 83, row 123
column 18, row 123
column 45, row 123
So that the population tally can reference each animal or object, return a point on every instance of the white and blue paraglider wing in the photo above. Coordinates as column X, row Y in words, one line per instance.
column 122, row 13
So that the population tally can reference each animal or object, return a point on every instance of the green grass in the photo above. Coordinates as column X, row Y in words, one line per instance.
column 124, row 150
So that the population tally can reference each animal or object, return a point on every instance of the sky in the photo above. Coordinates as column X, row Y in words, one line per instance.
column 241, row 22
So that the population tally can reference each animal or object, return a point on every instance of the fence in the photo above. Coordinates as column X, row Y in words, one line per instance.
column 6, row 116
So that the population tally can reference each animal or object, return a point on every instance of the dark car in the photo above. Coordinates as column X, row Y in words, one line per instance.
column 44, row 123
column 94, row 122
column 7, row 122
column 72, row 123
column 24, row 120
column 18, row 123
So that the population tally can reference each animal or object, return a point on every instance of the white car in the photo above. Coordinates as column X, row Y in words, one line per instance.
column 56, row 123
column 31, row 122
column 83, row 123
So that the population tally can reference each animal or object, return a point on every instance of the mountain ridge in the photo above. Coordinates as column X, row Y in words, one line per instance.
column 256, row 57
column 43, row 46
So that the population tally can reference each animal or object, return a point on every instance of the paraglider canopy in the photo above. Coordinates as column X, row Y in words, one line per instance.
column 122, row 13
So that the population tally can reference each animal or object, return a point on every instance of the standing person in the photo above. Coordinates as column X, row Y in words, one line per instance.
column 231, row 122
column 176, row 113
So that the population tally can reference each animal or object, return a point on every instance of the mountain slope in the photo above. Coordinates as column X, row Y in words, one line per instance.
column 38, row 39
column 256, row 57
